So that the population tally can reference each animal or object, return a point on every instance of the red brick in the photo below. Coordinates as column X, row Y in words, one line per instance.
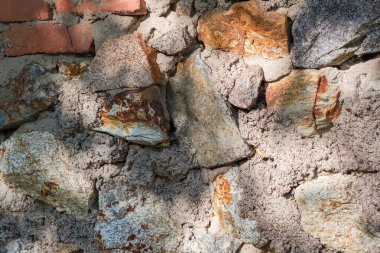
column 24, row 10
column 47, row 38
column 82, row 7
column 81, row 37
column 131, row 7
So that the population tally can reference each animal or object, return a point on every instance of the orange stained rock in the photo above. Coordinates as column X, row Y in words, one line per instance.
column 222, row 191
column 247, row 29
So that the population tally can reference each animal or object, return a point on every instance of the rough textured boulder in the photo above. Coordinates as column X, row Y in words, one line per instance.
column 329, row 32
column 330, row 211
column 206, row 120
column 135, row 223
column 39, row 165
column 136, row 65
column 246, row 29
column 138, row 115
column 273, row 69
column 22, row 99
column 226, row 195
column 171, row 35
column 306, row 99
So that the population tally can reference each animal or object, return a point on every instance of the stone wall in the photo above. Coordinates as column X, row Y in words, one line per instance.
column 210, row 126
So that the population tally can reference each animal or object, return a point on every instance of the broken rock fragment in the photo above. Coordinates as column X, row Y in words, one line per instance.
column 200, row 113
column 247, row 29
column 330, row 211
column 136, row 115
column 22, row 99
column 39, row 165
column 136, row 65
column 247, row 87
column 306, row 99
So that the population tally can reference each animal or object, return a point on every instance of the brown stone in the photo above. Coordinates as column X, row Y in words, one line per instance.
column 21, row 10
column 246, row 29
column 123, row 62
column 137, row 115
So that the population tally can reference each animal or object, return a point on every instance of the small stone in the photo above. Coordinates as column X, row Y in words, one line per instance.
column 124, row 7
column 158, row 7
column 167, row 63
column 138, row 116
column 135, row 223
column 249, row 248
column 273, row 69
column 72, row 70
column 39, row 165
column 171, row 35
column 246, row 29
column 136, row 65
column 226, row 195
column 330, row 212
column 203, row 116
column 247, row 87
column 185, row 7
column 111, row 27
column 327, row 33
column 22, row 99
column 204, row 5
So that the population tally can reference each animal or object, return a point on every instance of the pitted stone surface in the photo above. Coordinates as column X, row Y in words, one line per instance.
column 39, row 165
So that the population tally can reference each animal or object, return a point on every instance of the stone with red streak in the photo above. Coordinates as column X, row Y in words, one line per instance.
column 137, row 115
column 21, row 10
column 23, row 39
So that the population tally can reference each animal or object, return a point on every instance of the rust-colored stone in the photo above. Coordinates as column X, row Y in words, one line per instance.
column 137, row 115
column 222, row 191
column 307, row 99
column 72, row 71
column 247, row 29
column 21, row 10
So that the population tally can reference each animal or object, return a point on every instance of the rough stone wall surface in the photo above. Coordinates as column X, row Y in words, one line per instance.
column 205, row 126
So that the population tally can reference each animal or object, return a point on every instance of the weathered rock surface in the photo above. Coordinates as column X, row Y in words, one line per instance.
column 135, row 223
column 330, row 211
column 139, row 116
column 306, row 99
column 136, row 65
column 39, row 165
column 327, row 33
column 273, row 69
column 246, row 29
column 198, row 110
column 22, row 99
column 226, row 195
column 111, row 27
column 72, row 70
column 171, row 35
column 247, row 88
column 158, row 7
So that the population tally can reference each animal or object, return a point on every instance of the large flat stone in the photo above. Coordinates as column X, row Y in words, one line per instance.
column 139, row 116
column 330, row 212
column 123, row 62
column 246, row 28
column 327, row 33
column 203, row 116
column 23, row 98
column 39, row 165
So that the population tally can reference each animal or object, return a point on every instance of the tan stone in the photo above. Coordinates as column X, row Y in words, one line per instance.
column 137, row 115
column 330, row 212
column 246, row 29
column 204, row 118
